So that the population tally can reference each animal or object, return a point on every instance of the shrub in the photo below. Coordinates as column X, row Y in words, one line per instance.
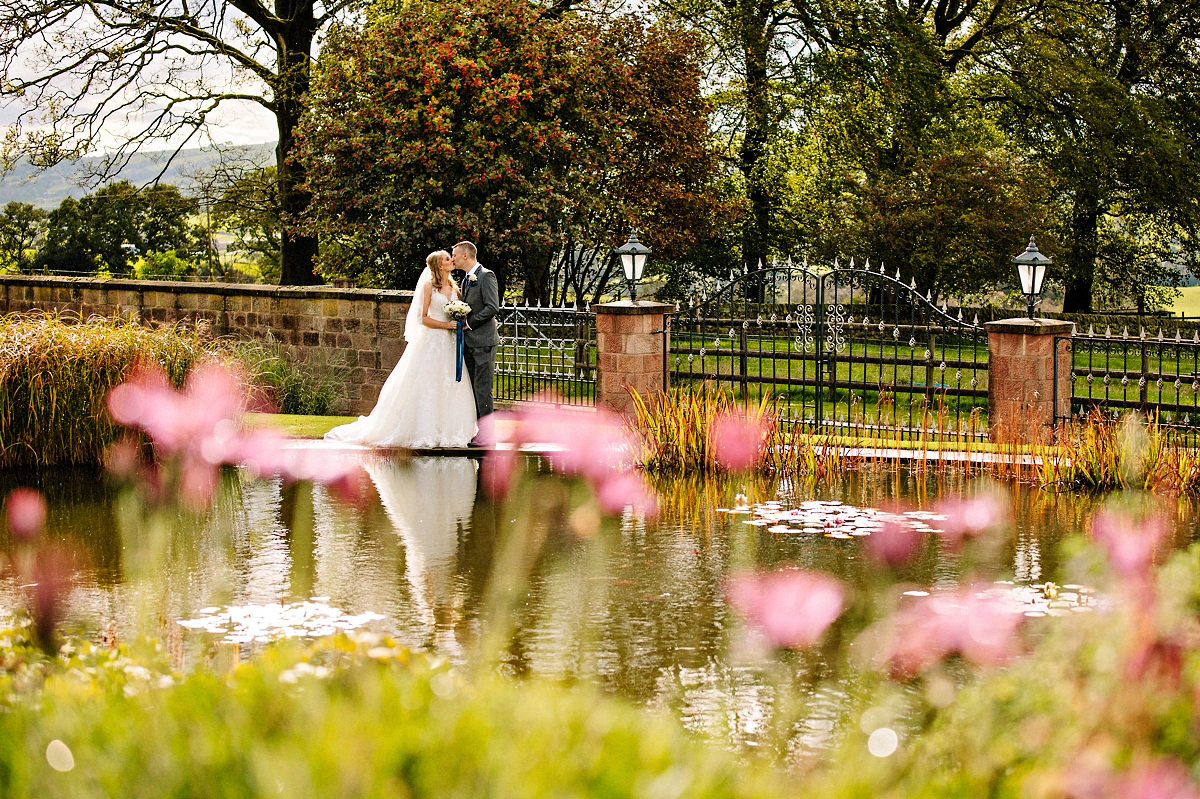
column 163, row 266
column 311, row 390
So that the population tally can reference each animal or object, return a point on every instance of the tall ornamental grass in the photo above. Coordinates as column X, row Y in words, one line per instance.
column 55, row 372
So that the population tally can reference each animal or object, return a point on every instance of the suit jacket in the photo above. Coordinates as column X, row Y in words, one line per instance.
column 483, row 295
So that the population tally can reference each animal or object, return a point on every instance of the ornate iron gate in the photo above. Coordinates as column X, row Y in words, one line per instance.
column 846, row 349
column 546, row 353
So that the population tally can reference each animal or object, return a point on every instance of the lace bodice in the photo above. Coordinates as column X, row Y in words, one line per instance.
column 437, row 306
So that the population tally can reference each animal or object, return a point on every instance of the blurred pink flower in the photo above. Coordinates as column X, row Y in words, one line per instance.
column 498, row 469
column 893, row 544
column 26, row 512
column 735, row 441
column 970, row 516
column 49, row 584
column 1155, row 779
column 982, row 629
column 1129, row 543
column 201, row 429
column 593, row 444
column 1145, row 778
column 789, row 608
column 626, row 489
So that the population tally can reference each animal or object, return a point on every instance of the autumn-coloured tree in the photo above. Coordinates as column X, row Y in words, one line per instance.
column 498, row 122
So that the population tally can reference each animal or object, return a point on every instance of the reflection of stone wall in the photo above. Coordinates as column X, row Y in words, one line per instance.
column 359, row 330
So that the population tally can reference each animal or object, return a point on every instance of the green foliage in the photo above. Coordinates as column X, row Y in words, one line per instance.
column 249, row 208
column 311, row 389
column 163, row 266
column 336, row 719
column 112, row 225
column 55, row 373
column 1110, row 114
column 21, row 225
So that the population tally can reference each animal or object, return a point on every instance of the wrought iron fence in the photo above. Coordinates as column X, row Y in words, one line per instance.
column 846, row 349
column 546, row 352
column 1156, row 373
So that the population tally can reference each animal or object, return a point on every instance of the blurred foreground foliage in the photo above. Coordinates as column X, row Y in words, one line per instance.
column 1100, row 703
column 334, row 719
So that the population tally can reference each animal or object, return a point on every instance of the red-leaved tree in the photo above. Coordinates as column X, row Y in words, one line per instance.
column 498, row 122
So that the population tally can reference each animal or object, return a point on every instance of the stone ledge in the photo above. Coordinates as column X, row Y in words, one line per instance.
column 635, row 308
column 219, row 289
column 1031, row 327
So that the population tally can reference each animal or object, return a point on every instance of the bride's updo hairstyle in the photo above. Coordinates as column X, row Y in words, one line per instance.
column 431, row 261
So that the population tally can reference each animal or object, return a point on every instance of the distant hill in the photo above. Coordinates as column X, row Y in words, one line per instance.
column 50, row 187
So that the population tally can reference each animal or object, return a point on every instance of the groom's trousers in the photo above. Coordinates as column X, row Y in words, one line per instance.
column 481, row 366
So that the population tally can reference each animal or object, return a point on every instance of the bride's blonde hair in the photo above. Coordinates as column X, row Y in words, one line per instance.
column 435, row 273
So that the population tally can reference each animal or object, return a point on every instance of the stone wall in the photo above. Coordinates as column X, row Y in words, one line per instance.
column 359, row 332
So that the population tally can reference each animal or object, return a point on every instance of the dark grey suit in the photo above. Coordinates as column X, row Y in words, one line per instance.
column 482, row 336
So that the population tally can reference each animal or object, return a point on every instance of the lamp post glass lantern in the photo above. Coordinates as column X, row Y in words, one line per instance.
column 1031, row 267
column 633, row 255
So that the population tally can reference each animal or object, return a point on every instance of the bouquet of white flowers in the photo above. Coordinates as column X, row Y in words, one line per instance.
column 457, row 309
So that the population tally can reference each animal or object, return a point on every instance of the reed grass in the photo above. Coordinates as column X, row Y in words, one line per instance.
column 1134, row 452
column 1098, row 454
column 57, row 369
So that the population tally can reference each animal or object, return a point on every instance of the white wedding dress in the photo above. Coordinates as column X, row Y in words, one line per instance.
column 421, row 405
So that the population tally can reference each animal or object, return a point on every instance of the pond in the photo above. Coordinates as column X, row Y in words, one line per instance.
column 637, row 607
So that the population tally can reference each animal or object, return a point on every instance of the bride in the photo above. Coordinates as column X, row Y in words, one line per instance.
column 421, row 405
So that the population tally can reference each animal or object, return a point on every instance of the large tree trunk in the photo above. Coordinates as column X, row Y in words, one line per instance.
column 295, row 39
column 752, row 156
column 1081, row 253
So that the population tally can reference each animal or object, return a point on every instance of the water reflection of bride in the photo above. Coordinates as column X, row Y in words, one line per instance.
column 429, row 502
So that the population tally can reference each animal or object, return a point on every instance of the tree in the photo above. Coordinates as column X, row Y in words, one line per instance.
column 752, row 46
column 67, row 247
column 499, row 122
column 1109, row 109
column 21, row 224
column 248, row 207
column 129, row 74
column 115, row 223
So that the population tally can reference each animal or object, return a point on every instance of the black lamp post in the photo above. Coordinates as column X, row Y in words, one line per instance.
column 1031, row 266
column 633, row 255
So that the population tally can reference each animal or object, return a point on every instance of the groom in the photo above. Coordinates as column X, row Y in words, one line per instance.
column 482, row 292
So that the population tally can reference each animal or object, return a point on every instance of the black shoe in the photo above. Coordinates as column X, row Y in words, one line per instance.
column 473, row 444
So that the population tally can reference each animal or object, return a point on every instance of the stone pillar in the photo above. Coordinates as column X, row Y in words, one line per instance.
column 1021, row 377
column 631, row 342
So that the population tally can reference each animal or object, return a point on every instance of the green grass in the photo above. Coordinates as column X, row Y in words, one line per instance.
column 297, row 426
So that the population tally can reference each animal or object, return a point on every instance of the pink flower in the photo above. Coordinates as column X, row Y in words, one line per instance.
column 970, row 516
column 1146, row 778
column 1129, row 543
column 26, row 512
column 621, row 490
column 980, row 628
column 498, row 467
column 201, row 429
column 50, row 583
column 595, row 445
column 789, row 608
column 893, row 544
column 735, row 441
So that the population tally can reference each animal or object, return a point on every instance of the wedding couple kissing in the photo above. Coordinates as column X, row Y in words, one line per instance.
column 440, row 388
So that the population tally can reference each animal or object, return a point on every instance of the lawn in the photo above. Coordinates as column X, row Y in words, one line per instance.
column 296, row 425
column 1188, row 303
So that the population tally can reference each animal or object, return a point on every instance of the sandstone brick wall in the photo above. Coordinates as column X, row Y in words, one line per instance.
column 358, row 331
